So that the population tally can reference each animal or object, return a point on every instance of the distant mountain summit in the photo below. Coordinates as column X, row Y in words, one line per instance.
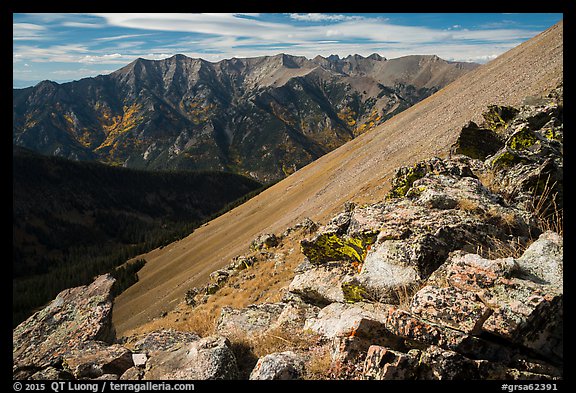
column 264, row 117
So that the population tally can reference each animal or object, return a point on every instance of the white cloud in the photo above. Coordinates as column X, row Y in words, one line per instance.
column 315, row 17
column 108, row 58
column 27, row 31
column 214, row 37
column 120, row 37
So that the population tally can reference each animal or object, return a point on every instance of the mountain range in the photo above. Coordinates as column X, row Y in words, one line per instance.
column 263, row 117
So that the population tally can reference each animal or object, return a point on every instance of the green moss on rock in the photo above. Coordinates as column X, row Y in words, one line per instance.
column 353, row 292
column 498, row 116
column 330, row 247
column 404, row 179
column 522, row 139
column 507, row 159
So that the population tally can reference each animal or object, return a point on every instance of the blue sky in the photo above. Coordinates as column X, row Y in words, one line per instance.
column 71, row 46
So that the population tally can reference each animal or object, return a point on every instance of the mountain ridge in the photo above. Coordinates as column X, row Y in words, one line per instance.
column 262, row 117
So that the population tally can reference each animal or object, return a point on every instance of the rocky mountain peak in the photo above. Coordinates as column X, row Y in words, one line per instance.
column 256, row 116
column 376, row 56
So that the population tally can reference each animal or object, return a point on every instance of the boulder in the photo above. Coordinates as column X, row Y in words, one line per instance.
column 518, row 300
column 476, row 142
column 294, row 316
column 254, row 319
column 352, row 328
column 279, row 366
column 382, row 363
column 163, row 340
column 264, row 241
column 75, row 317
column 451, row 307
column 497, row 117
column 203, row 359
column 543, row 261
column 321, row 285
column 241, row 262
column 95, row 359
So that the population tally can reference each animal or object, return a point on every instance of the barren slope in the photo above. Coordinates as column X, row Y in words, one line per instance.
column 359, row 171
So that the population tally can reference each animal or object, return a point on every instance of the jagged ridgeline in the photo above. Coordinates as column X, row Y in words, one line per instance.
column 74, row 220
column 263, row 117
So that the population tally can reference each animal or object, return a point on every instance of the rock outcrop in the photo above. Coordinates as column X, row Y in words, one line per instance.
column 75, row 318
column 430, row 282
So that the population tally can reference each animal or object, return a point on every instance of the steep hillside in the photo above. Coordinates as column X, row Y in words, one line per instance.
column 263, row 117
column 358, row 171
column 72, row 220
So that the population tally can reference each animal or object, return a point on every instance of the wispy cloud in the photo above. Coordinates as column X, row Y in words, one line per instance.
column 115, row 39
column 316, row 17
column 27, row 31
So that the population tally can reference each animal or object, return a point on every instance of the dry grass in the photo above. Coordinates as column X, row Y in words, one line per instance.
column 468, row 205
column 405, row 293
column 264, row 282
column 499, row 248
column 545, row 207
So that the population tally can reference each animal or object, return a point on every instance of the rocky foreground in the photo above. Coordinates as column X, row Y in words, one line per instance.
column 457, row 274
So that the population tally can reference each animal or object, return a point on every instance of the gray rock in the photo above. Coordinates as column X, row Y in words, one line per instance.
column 452, row 307
column 264, row 241
column 279, row 366
column 256, row 318
column 543, row 261
column 204, row 359
column 321, row 285
column 96, row 359
column 139, row 359
column 517, row 300
column 163, row 340
column 352, row 328
column 294, row 316
column 382, row 363
column 74, row 317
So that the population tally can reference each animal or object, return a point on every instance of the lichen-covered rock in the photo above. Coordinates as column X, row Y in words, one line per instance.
column 329, row 246
column 279, row 366
column 518, row 300
column 163, row 340
column 497, row 117
column 203, row 359
column 543, row 261
column 321, row 285
column 352, row 328
column 383, row 363
column 451, row 307
column 51, row 373
column 74, row 317
column 264, row 241
column 294, row 316
column 254, row 319
column 95, row 359
column 477, row 142
column 219, row 277
column 241, row 262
